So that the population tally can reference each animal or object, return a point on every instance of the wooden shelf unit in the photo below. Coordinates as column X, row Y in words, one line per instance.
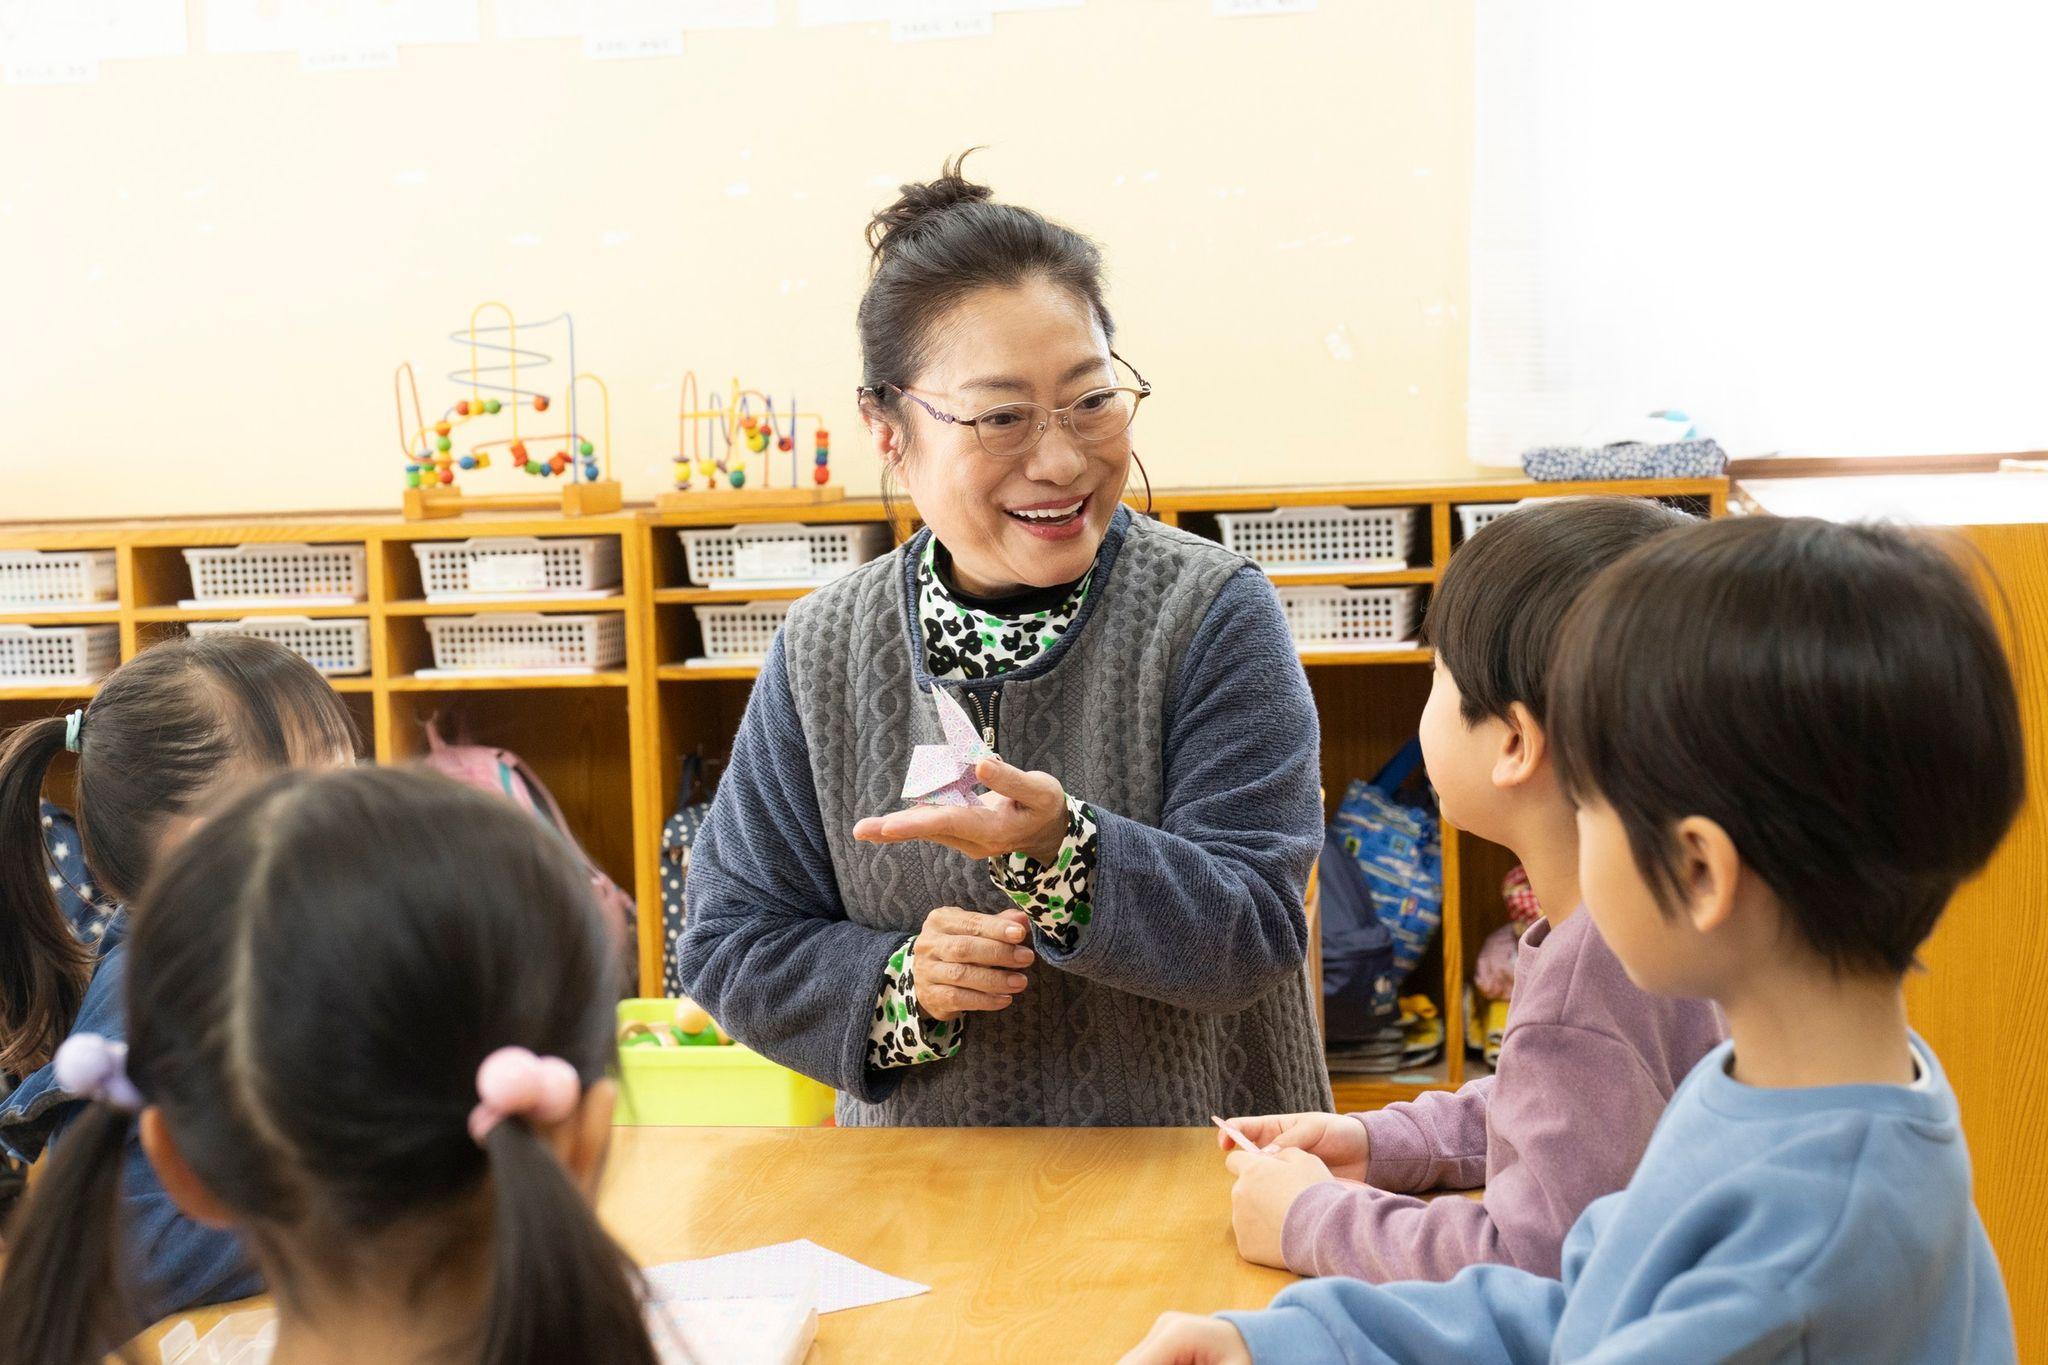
column 1370, row 700
column 610, row 744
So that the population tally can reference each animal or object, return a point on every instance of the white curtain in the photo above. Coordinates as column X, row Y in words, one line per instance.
column 1816, row 227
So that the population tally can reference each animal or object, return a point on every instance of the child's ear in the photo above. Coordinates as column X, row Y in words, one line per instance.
column 1523, row 747
column 183, row 1185
column 581, row 1140
column 1710, row 871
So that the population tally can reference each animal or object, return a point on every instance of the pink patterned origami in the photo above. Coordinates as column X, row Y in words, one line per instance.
column 943, row 774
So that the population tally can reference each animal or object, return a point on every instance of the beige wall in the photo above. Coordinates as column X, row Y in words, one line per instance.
column 209, row 266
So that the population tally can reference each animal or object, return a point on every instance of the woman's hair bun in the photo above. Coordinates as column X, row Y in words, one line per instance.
column 919, row 204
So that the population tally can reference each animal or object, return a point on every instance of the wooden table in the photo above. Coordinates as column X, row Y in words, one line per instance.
column 1056, row 1244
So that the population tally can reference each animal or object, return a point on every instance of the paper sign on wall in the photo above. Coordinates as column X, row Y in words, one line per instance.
column 1246, row 9
column 59, row 32
column 606, row 23
column 321, row 27
column 923, row 28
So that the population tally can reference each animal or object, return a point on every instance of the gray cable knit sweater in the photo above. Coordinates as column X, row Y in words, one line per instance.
column 1176, row 707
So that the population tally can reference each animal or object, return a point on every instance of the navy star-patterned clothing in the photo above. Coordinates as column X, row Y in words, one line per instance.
column 970, row 637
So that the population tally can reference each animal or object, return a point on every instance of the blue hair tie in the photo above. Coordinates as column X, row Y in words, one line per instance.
column 73, row 725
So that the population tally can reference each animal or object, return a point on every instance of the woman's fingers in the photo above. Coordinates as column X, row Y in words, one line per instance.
column 949, row 1002
column 982, row 952
column 934, row 824
column 1007, row 927
column 1034, row 790
column 986, row 980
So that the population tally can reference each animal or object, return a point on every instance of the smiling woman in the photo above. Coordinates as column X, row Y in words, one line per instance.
column 1120, row 915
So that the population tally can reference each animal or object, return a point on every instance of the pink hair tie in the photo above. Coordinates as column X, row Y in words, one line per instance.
column 93, row 1068
column 512, row 1082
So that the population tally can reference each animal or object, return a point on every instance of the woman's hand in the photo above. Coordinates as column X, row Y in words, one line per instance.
column 1266, row 1188
column 965, row 961
column 1022, row 813
column 1336, row 1140
column 1184, row 1339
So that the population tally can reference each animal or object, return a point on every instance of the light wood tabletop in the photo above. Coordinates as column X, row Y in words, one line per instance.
column 1053, row 1244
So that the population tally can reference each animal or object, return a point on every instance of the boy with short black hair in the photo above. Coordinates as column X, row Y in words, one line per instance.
column 1790, row 741
column 1588, row 1059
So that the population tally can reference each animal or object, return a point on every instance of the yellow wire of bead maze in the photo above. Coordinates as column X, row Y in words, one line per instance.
column 432, row 467
column 715, row 438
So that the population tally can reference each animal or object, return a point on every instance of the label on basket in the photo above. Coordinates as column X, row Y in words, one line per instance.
column 508, row 573
column 773, row 559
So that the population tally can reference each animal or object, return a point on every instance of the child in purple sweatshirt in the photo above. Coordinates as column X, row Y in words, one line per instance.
column 1588, row 1060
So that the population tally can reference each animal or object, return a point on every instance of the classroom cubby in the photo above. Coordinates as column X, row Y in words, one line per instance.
column 610, row 744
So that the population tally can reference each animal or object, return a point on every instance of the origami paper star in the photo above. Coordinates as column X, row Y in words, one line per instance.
column 943, row 774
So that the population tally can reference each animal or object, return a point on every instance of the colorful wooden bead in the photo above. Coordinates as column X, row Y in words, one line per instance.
column 540, row 402
column 467, row 462
column 738, row 477
column 824, row 438
column 561, row 461
column 706, row 468
column 462, row 409
column 441, row 443
column 442, row 428
column 412, row 478
column 492, row 405
column 821, row 475
column 784, row 444
column 585, row 449
column 447, row 476
column 534, row 466
column 483, row 460
column 518, row 449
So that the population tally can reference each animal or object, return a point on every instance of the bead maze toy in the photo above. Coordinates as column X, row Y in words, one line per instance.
column 727, row 448
column 434, row 467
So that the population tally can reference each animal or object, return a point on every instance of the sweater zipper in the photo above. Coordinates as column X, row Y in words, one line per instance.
column 985, row 714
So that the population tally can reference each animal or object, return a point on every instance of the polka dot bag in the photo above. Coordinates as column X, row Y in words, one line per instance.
column 693, row 803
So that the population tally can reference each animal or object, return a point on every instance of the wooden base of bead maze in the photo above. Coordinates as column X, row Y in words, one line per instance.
column 592, row 499
column 741, row 499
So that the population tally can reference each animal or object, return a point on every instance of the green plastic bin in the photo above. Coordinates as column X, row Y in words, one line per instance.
column 710, row 1087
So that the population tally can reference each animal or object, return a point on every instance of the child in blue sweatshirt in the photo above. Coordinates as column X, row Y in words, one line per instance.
column 1789, row 741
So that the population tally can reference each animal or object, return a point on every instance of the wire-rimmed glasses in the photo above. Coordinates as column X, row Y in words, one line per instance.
column 1009, row 431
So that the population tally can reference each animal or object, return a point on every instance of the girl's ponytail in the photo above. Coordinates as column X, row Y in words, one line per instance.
column 61, row 1297
column 43, row 967
column 561, row 1288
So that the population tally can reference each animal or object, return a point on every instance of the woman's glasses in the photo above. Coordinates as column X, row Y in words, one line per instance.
column 1011, row 430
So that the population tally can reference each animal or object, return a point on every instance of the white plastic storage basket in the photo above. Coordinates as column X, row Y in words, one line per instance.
column 528, row 642
column 1351, row 618
column 779, row 552
column 740, row 634
column 324, row 574
column 37, row 580
column 1311, row 539
column 339, row 648
column 1474, row 515
column 57, row 656
column 518, row 566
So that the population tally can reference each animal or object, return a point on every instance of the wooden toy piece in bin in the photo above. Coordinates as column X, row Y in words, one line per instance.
column 691, row 1027
column 493, row 400
column 727, row 449
column 678, row 836
column 676, row 1067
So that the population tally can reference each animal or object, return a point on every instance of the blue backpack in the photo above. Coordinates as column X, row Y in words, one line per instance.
column 1396, row 846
